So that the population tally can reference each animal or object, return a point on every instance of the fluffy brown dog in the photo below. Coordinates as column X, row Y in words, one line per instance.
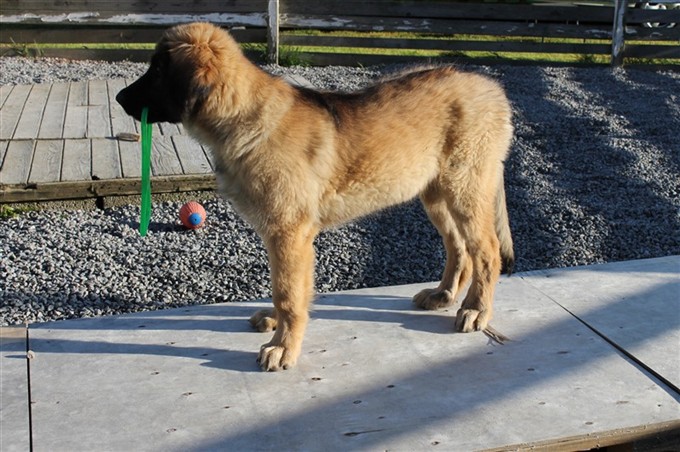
column 294, row 161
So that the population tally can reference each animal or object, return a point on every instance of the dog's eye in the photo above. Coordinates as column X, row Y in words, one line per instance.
column 157, row 66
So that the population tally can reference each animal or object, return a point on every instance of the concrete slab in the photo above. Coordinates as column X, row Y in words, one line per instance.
column 375, row 374
column 635, row 304
column 14, row 419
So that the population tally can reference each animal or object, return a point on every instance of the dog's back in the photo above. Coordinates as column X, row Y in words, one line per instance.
column 389, row 141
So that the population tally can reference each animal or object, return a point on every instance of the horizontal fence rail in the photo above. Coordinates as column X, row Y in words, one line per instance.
column 617, row 29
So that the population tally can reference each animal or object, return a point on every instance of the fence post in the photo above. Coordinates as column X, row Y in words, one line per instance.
column 618, row 32
column 273, row 32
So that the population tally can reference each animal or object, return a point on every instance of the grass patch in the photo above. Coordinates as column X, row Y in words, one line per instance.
column 288, row 55
column 24, row 49
column 9, row 212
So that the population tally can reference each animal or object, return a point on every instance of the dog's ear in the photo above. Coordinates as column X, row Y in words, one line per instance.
column 198, row 56
column 193, row 76
column 206, row 62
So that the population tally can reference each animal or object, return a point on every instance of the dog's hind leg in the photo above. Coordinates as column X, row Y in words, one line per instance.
column 475, row 219
column 291, row 257
column 264, row 320
column 458, row 264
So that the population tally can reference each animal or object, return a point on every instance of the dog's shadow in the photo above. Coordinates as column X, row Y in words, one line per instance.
column 219, row 335
column 383, row 309
column 196, row 332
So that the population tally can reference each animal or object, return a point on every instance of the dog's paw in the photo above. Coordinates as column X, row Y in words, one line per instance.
column 432, row 299
column 263, row 320
column 468, row 320
column 277, row 357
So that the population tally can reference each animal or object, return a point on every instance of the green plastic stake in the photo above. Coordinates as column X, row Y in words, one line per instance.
column 145, row 213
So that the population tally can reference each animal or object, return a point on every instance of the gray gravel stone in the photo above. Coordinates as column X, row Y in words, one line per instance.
column 594, row 176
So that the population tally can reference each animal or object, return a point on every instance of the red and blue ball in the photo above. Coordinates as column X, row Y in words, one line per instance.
column 192, row 215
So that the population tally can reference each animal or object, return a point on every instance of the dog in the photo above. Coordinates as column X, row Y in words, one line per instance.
column 294, row 161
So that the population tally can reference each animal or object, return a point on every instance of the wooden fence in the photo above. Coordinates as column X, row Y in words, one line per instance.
column 615, row 28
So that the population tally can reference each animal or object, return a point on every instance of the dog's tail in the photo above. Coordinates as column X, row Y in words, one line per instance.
column 503, row 228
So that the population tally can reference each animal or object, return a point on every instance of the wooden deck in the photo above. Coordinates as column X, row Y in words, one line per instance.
column 61, row 141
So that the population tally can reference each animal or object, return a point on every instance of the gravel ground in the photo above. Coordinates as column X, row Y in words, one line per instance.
column 594, row 176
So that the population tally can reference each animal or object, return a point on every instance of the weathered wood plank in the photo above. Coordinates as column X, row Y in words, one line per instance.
column 638, row 32
column 449, row 10
column 52, row 125
column 130, row 158
column 273, row 29
column 618, row 37
column 446, row 45
column 98, row 18
column 209, row 156
column 3, row 151
column 130, row 151
column 75, row 121
column 164, row 159
column 98, row 121
column 445, row 26
column 107, row 8
column 77, row 160
column 31, row 116
column 17, row 163
column 243, row 13
column 46, row 165
column 4, row 93
column 191, row 155
column 116, row 187
column 44, row 33
column 120, row 121
column 105, row 159
column 651, row 51
column 167, row 128
column 11, row 110
column 664, row 16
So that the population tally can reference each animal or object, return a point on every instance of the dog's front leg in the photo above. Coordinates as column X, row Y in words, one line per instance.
column 291, row 258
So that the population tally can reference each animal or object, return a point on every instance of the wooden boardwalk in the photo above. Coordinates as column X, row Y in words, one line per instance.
column 62, row 141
